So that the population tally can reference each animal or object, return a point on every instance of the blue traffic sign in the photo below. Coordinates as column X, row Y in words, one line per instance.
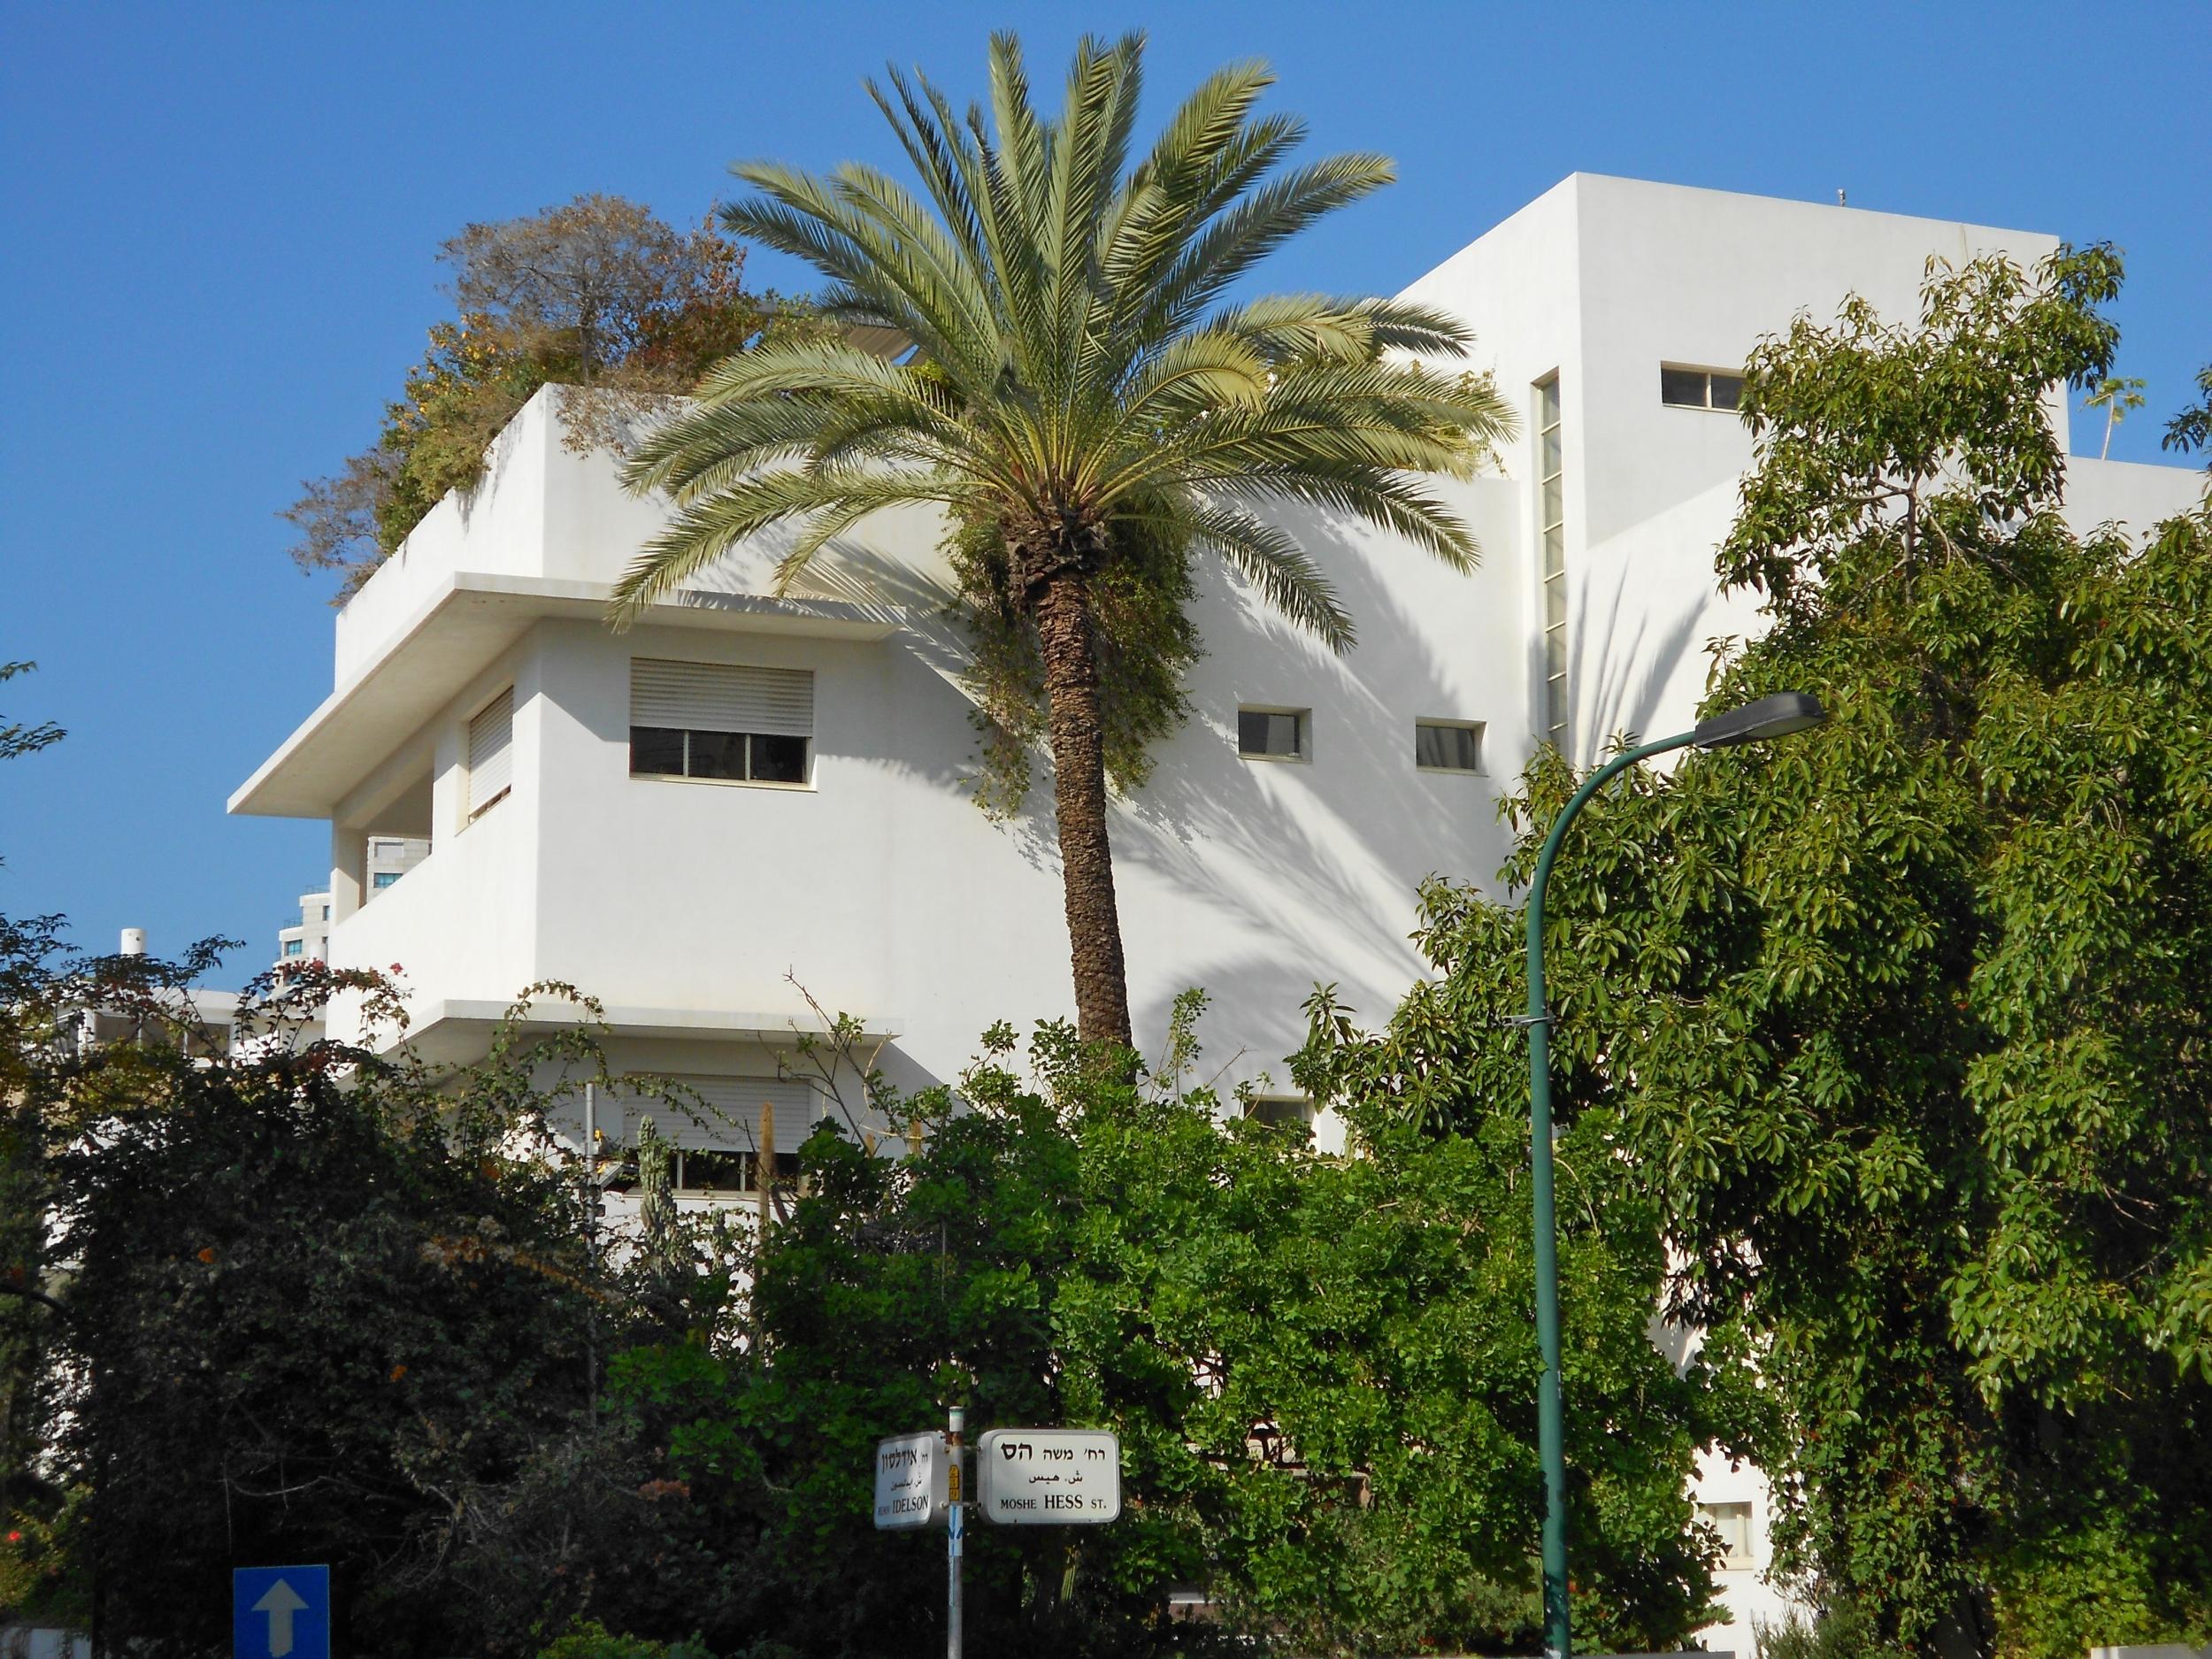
column 279, row 1613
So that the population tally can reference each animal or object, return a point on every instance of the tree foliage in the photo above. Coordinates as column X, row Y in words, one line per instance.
column 1319, row 1369
column 1084, row 405
column 598, row 296
column 1900, row 1024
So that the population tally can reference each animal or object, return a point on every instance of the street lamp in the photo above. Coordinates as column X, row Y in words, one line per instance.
column 1777, row 715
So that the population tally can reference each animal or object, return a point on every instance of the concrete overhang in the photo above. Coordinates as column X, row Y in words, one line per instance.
column 455, row 1031
column 463, row 624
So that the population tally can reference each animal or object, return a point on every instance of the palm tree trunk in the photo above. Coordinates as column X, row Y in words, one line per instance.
column 1079, row 764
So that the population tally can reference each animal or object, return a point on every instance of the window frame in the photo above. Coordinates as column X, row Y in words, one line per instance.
column 1707, row 376
column 806, row 786
column 470, row 808
column 806, row 783
column 1302, row 756
column 1480, row 728
column 1732, row 1560
column 1278, row 1112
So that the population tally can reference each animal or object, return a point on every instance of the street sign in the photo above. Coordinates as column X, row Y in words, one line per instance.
column 1048, row 1476
column 279, row 1613
column 913, row 1482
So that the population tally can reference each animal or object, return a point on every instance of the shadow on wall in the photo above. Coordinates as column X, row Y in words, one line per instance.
column 1282, row 877
column 1618, row 671
column 1321, row 888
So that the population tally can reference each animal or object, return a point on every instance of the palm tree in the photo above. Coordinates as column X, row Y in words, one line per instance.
column 1079, row 384
column 2116, row 395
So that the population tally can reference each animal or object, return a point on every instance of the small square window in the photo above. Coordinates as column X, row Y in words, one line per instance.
column 656, row 752
column 1447, row 745
column 1685, row 388
column 779, row 759
column 1288, row 1114
column 1272, row 734
column 1732, row 1522
column 717, row 755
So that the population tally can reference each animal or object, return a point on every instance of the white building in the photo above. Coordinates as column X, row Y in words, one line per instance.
column 482, row 706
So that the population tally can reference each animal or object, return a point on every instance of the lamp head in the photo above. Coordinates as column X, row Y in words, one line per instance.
column 1778, row 715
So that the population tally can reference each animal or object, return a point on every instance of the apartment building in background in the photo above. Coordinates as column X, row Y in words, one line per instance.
column 385, row 859
column 748, row 807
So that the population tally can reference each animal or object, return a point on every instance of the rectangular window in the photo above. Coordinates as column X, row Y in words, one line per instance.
column 723, row 1136
column 383, row 879
column 387, row 849
column 1551, row 514
column 295, row 947
column 721, row 721
column 1698, row 388
column 1292, row 1114
column 1732, row 1522
column 491, row 753
column 325, row 912
column 1273, row 733
column 1447, row 745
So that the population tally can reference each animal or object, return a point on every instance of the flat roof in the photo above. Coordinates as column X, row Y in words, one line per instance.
column 468, row 618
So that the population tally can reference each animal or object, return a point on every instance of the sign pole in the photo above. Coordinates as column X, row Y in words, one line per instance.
column 953, row 1513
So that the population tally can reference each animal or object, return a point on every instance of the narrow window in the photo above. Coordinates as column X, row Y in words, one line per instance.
column 1698, row 388
column 491, row 753
column 1447, row 745
column 721, row 721
column 1551, row 471
column 1272, row 734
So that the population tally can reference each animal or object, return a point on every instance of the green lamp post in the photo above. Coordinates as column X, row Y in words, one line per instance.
column 1777, row 715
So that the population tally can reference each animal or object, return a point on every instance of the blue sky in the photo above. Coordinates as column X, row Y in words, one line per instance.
column 216, row 263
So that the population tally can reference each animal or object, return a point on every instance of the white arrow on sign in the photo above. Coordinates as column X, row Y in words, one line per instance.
column 281, row 1601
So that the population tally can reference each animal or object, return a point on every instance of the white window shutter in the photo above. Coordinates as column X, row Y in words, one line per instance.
column 730, row 1119
column 722, row 697
column 492, row 751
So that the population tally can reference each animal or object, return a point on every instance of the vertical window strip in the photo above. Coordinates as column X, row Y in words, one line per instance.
column 491, row 751
column 1552, row 523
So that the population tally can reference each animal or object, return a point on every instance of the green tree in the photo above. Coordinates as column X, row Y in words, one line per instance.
column 1318, row 1368
column 1083, row 403
column 597, row 296
column 1901, row 1027
column 2192, row 429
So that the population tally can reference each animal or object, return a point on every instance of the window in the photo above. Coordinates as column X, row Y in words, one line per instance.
column 1273, row 733
column 491, row 756
column 1447, row 745
column 1292, row 1114
column 325, row 912
column 1551, row 520
column 721, row 1138
column 387, row 849
column 1732, row 1522
column 295, row 947
column 721, row 721
column 381, row 879
column 1698, row 388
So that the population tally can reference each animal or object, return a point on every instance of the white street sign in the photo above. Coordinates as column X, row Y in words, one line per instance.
column 1048, row 1476
column 912, row 1480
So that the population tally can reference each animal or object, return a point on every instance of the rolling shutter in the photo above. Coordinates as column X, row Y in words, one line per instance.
column 492, row 751
column 722, row 697
column 730, row 1120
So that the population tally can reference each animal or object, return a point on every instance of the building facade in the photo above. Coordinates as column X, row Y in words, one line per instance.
column 749, row 809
